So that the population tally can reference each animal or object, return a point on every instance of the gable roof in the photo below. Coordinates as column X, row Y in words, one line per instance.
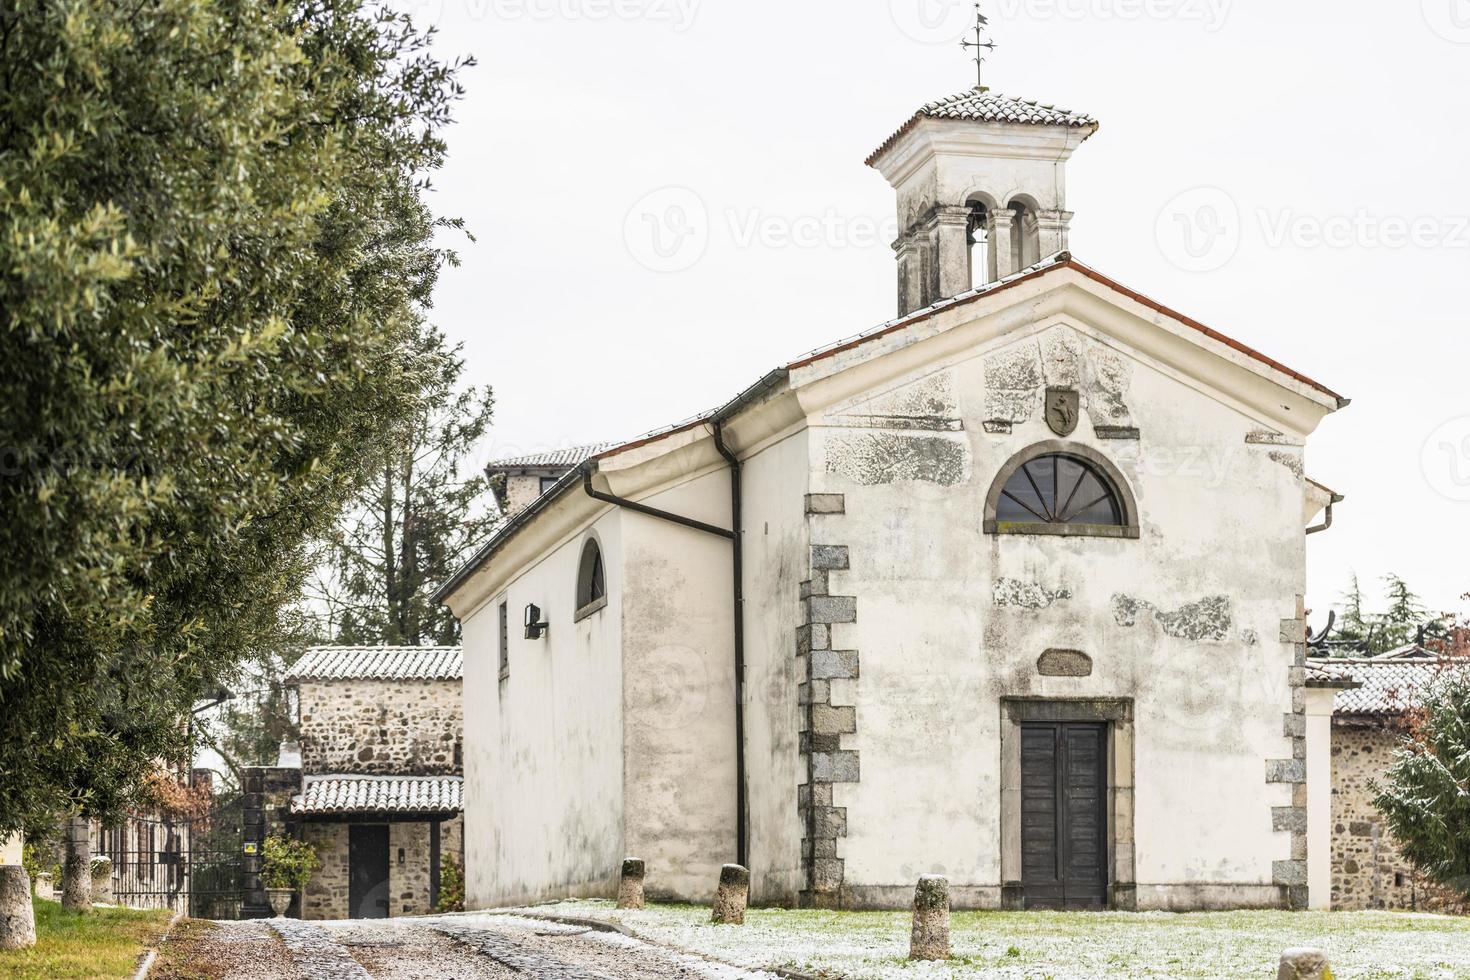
column 1052, row 265
column 570, row 456
column 979, row 105
column 328, row 795
column 382, row 663
column 1387, row 688
column 1061, row 260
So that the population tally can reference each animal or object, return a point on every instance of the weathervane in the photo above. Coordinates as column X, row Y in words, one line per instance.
column 981, row 46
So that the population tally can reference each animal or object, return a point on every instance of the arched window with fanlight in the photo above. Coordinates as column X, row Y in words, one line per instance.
column 1061, row 488
column 591, row 580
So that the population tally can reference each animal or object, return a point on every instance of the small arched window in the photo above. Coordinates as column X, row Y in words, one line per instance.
column 1060, row 488
column 591, row 580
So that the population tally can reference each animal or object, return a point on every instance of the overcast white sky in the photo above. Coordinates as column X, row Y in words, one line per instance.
column 1316, row 154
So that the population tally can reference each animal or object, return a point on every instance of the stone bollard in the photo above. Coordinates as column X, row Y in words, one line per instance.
column 730, row 898
column 102, row 880
column 76, row 872
column 930, row 939
column 1304, row 964
column 46, row 886
column 17, row 918
column 630, row 885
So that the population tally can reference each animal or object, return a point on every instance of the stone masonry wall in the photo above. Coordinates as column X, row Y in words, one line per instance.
column 327, row 895
column 382, row 727
column 1367, row 870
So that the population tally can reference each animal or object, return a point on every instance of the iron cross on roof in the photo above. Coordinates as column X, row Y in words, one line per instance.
column 981, row 46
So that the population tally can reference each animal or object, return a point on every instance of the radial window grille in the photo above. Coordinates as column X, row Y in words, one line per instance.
column 1060, row 489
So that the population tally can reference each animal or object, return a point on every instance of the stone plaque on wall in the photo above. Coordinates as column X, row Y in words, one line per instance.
column 1064, row 663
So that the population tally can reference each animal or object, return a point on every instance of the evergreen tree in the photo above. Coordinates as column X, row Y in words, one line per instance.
column 214, row 260
column 425, row 507
column 1406, row 615
column 1424, row 797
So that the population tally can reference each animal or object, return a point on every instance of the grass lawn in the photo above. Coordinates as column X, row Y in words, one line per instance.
column 103, row 944
column 1061, row 945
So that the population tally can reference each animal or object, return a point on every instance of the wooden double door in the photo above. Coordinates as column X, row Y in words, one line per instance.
column 1064, row 826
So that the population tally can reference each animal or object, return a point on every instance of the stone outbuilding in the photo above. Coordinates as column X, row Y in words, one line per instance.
column 1368, row 727
column 381, row 776
column 1007, row 589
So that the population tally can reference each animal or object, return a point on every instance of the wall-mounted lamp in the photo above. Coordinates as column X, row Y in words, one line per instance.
column 535, row 628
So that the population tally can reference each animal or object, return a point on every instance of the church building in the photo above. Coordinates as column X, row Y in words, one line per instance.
column 1008, row 588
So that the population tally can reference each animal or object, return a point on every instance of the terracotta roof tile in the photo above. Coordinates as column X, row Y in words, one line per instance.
column 379, row 794
column 977, row 106
column 1389, row 687
column 570, row 456
column 381, row 663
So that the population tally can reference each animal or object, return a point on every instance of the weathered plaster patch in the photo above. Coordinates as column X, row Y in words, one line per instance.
column 1109, row 377
column 878, row 458
column 1267, row 437
column 1208, row 619
column 1013, row 380
column 1062, row 359
column 928, row 403
column 1249, row 637
column 1027, row 595
column 1292, row 461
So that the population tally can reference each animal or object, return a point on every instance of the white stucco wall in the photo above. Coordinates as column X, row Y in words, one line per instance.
column 544, row 748
column 776, row 541
column 939, row 648
column 679, row 691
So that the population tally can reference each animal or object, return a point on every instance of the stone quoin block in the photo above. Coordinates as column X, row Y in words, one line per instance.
column 834, row 665
column 630, row 884
column 829, row 557
column 1289, row 872
column 831, row 609
column 827, row 873
column 930, row 937
column 813, row 636
column 1286, row 771
column 1294, row 726
column 830, row 720
column 1304, row 964
column 835, row 767
column 828, row 821
column 1290, row 818
column 731, row 896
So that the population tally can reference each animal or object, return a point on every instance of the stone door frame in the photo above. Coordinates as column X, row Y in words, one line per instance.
column 1117, row 714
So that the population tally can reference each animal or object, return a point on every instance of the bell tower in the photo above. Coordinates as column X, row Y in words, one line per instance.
column 978, row 168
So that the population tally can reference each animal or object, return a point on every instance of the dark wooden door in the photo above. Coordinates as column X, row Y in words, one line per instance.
column 367, row 869
column 1064, row 853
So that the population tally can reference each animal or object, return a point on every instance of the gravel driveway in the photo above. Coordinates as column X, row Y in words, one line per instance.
column 460, row 947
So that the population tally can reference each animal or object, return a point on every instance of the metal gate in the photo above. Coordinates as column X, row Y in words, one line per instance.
column 195, row 866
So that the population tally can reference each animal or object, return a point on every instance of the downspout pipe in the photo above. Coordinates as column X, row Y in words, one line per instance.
column 1337, row 498
column 737, row 552
column 741, row 848
column 717, row 422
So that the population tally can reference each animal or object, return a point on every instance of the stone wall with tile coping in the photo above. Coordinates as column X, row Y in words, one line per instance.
column 380, row 727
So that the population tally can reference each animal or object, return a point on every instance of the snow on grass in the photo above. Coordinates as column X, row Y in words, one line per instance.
column 1058, row 945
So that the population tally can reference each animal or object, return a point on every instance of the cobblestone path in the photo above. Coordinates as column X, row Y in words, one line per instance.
column 476, row 947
